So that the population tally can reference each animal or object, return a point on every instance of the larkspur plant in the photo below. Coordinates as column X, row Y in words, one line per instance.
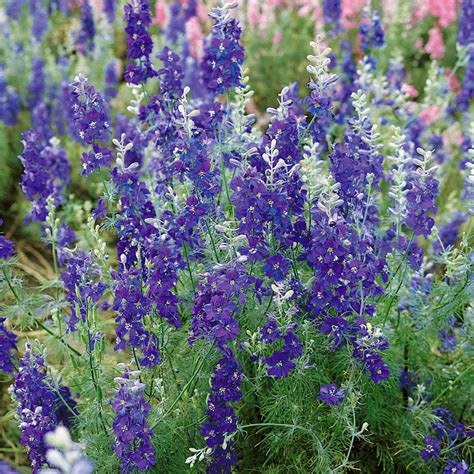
column 223, row 291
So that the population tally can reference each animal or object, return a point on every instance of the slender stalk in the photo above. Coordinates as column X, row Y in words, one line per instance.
column 56, row 273
column 188, row 264
column 183, row 391
column 212, row 242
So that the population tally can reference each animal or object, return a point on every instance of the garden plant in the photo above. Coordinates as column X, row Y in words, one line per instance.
column 236, row 237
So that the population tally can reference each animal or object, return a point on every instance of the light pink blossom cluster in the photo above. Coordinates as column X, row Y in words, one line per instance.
column 260, row 15
column 445, row 12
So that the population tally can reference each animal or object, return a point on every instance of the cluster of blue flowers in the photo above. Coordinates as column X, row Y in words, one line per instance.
column 42, row 405
column 223, row 55
column 447, row 433
column 132, row 432
column 46, row 172
column 139, row 43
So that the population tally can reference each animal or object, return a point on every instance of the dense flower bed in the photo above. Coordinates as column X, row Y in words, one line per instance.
column 220, row 288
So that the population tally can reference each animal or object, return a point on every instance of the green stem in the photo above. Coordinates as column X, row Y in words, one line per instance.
column 188, row 264
column 212, row 242
column 183, row 391
column 56, row 273
column 303, row 136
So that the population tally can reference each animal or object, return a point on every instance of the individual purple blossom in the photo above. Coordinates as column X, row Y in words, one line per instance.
column 292, row 345
column 132, row 432
column 223, row 52
column 270, row 332
column 42, row 405
column 335, row 327
column 331, row 394
column 7, row 248
column 65, row 236
column 84, row 286
column 100, row 210
column 8, row 341
column 431, row 449
column 279, row 364
column 276, row 267
column 455, row 467
column 46, row 172
column 99, row 157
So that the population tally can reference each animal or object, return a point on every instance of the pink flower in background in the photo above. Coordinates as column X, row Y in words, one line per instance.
column 453, row 137
column 277, row 37
column 161, row 14
column 267, row 15
column 410, row 90
column 307, row 7
column 202, row 12
column 194, row 36
column 253, row 13
column 445, row 10
column 350, row 11
column 452, row 80
column 430, row 114
column 435, row 46
column 389, row 7
column 97, row 6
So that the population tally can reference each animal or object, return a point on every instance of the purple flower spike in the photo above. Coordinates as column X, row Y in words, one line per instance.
column 132, row 433
column 330, row 394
